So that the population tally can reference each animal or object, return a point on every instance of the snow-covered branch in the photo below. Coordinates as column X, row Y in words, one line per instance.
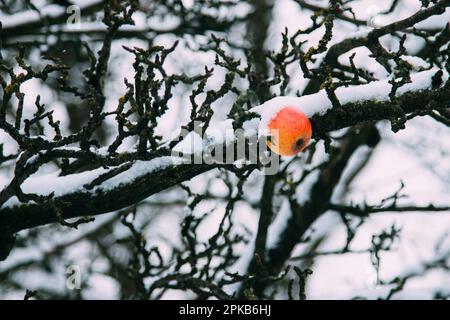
column 104, row 190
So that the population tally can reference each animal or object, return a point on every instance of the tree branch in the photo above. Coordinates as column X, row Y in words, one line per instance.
column 82, row 203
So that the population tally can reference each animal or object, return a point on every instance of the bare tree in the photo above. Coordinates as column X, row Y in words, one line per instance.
column 92, row 94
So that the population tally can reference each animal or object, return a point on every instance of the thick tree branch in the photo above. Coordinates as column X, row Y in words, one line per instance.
column 81, row 204
column 411, row 103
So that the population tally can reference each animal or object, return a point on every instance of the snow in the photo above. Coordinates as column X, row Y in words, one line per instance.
column 319, row 103
column 250, row 127
column 355, row 161
column 278, row 225
column 101, row 285
column 62, row 185
column 46, row 184
column 220, row 132
column 435, row 22
column 303, row 191
column 363, row 59
column 137, row 170
column 192, row 143
column 416, row 62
